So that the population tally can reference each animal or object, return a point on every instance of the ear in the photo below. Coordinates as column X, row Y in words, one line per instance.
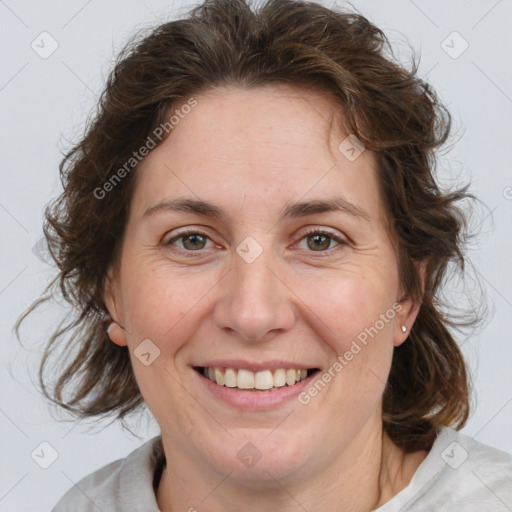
column 112, row 299
column 407, row 311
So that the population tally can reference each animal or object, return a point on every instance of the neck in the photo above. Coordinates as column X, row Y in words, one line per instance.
column 367, row 474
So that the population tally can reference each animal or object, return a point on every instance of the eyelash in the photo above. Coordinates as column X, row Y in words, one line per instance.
column 314, row 231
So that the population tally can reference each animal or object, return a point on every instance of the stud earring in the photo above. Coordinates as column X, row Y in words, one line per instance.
column 404, row 328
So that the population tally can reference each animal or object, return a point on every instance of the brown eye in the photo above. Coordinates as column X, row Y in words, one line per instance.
column 319, row 242
column 194, row 241
column 189, row 241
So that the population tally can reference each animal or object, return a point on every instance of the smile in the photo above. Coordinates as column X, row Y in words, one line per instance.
column 246, row 380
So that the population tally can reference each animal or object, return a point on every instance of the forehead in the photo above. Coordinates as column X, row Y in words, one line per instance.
column 267, row 145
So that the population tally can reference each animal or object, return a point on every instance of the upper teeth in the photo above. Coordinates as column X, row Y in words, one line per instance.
column 245, row 379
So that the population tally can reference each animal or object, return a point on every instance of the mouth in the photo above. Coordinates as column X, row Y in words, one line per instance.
column 260, row 381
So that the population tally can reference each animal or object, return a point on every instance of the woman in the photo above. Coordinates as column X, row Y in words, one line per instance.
column 254, row 239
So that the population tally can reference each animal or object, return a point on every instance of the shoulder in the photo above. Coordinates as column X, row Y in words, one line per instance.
column 459, row 474
column 481, row 474
column 125, row 484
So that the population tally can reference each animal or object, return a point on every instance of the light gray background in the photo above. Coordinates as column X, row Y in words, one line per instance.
column 44, row 103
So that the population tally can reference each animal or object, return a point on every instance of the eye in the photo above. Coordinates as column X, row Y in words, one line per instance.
column 191, row 240
column 319, row 240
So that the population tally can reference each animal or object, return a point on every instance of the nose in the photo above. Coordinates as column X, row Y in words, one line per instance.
column 255, row 301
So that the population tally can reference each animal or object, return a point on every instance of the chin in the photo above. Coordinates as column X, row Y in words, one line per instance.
column 258, row 461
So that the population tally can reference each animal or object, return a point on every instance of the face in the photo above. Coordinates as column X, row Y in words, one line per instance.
column 259, row 287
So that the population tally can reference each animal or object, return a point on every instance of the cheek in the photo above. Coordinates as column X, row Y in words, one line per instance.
column 162, row 307
column 351, row 308
column 160, row 302
column 356, row 321
column 361, row 344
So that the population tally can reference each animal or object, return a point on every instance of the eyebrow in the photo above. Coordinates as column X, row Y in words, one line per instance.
column 290, row 210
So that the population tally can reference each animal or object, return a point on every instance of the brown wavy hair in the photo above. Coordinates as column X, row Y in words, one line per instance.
column 388, row 107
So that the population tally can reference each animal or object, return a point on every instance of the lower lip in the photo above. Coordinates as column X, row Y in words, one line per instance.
column 255, row 400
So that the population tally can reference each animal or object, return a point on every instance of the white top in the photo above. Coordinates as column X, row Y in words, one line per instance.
column 458, row 475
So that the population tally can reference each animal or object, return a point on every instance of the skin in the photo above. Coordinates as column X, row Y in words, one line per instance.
column 250, row 152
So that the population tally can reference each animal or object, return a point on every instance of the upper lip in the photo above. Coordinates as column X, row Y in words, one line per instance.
column 242, row 364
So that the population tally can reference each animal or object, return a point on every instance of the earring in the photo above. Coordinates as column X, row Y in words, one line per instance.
column 404, row 328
